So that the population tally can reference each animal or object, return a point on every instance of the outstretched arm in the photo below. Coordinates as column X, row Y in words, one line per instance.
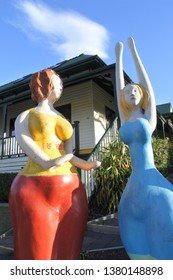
column 78, row 162
column 120, row 83
column 145, row 82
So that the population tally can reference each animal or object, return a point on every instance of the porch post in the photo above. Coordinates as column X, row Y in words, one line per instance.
column 77, row 141
column 4, row 126
column 115, row 97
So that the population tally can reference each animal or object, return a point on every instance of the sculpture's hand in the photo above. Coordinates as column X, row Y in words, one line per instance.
column 96, row 164
column 84, row 164
column 119, row 49
column 88, row 165
column 131, row 43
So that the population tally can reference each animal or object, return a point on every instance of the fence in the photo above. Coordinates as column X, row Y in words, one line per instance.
column 9, row 147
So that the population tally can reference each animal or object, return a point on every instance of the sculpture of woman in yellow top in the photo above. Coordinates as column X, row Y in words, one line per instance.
column 48, row 202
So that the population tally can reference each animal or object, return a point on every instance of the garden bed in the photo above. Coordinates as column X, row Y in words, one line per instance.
column 5, row 219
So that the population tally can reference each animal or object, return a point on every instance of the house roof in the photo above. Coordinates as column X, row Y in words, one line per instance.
column 166, row 111
column 165, row 108
column 85, row 62
column 72, row 71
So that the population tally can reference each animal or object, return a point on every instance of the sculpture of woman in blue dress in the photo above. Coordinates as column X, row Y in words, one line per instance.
column 146, row 207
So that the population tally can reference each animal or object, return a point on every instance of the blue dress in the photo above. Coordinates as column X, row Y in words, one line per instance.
column 146, row 207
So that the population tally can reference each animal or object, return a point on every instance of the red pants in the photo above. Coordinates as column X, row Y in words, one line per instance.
column 49, row 216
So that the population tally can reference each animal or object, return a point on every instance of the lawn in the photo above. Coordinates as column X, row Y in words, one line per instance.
column 5, row 220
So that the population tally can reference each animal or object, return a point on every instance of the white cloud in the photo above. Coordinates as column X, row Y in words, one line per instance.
column 67, row 33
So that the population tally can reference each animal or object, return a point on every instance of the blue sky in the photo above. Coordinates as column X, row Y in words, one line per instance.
column 38, row 34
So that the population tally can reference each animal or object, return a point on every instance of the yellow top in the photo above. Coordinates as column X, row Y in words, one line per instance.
column 49, row 132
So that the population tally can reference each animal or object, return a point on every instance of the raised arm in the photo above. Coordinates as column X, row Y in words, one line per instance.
column 145, row 82
column 119, row 75
column 31, row 149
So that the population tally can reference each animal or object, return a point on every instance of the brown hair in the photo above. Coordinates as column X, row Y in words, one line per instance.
column 144, row 101
column 41, row 84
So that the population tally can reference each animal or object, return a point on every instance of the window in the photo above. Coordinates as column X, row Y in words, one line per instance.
column 12, row 127
column 110, row 114
column 65, row 110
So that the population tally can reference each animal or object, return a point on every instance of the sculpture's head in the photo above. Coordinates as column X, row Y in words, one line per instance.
column 45, row 83
column 133, row 95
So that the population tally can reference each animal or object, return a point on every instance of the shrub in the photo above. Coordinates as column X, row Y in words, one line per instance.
column 112, row 176
column 5, row 184
column 163, row 155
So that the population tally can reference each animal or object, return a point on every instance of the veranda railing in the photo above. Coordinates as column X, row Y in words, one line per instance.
column 9, row 147
column 88, row 176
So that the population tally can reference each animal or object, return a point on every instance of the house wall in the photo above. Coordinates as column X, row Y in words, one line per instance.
column 80, row 97
column 101, row 99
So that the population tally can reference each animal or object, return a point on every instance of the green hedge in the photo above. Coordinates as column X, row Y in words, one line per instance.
column 5, row 184
column 163, row 155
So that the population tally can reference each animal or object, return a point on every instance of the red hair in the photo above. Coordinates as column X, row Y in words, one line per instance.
column 41, row 84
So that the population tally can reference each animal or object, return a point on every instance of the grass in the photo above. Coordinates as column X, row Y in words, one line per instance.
column 5, row 219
